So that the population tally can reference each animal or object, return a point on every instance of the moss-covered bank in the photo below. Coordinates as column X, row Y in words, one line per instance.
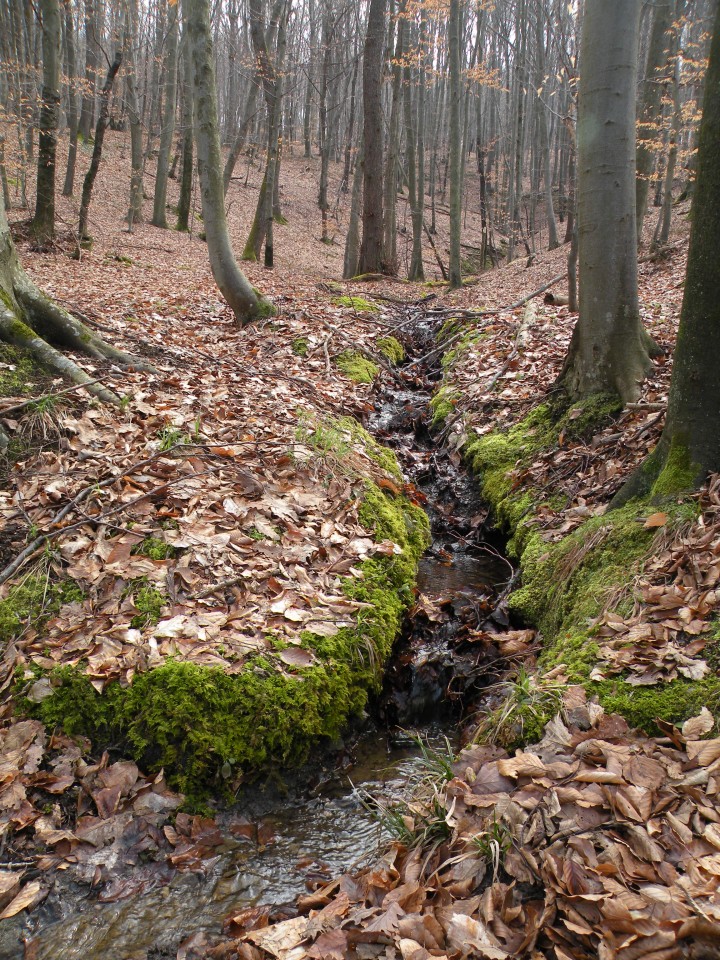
column 568, row 583
column 205, row 726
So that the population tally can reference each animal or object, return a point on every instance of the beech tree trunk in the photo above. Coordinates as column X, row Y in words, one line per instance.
column 609, row 348
column 100, row 129
column 689, row 448
column 43, row 225
column 159, row 217
column 455, row 32
column 371, row 248
column 650, row 109
column 69, row 184
column 232, row 282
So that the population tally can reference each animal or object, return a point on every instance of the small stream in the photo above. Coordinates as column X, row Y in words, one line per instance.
column 305, row 836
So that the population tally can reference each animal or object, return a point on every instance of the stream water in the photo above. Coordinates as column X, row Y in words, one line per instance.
column 307, row 834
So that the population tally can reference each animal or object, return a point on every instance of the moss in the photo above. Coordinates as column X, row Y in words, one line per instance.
column 17, row 371
column 197, row 722
column 300, row 347
column 392, row 349
column 673, row 702
column 155, row 549
column 32, row 601
column 358, row 304
column 336, row 438
column 678, row 472
column 357, row 367
column 442, row 404
column 149, row 602
column 566, row 585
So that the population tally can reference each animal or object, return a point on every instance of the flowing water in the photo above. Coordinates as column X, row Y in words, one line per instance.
column 306, row 836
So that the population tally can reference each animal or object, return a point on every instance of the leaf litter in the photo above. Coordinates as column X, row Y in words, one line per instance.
column 596, row 842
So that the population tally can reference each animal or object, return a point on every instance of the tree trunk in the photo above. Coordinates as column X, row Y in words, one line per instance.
column 393, row 150
column 455, row 34
column 91, row 62
column 352, row 241
column 233, row 284
column 43, row 225
column 651, row 108
column 135, row 209
column 69, row 184
column 416, row 271
column 371, row 248
column 100, row 129
column 186, row 178
column 159, row 218
column 689, row 448
column 608, row 352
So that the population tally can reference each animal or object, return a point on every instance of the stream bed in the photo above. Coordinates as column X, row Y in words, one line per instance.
column 277, row 844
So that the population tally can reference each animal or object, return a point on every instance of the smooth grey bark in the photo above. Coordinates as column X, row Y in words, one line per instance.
column 307, row 112
column 352, row 241
column 417, row 271
column 454, row 39
column 371, row 248
column 135, row 209
column 167, row 132
column 100, row 129
column 608, row 352
column 553, row 239
column 232, row 282
column 323, row 132
column 43, row 224
column 29, row 320
column 689, row 447
column 662, row 231
column 651, row 107
column 91, row 64
column 393, row 149
column 186, row 176
column 73, row 118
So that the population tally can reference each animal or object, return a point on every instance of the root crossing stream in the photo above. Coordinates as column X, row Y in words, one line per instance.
column 278, row 843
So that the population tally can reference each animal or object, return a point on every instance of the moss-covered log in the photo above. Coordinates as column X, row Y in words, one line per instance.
column 206, row 726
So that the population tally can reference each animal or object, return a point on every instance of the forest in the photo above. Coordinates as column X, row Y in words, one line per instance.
column 359, row 479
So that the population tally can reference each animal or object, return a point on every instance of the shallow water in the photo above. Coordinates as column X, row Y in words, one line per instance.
column 311, row 839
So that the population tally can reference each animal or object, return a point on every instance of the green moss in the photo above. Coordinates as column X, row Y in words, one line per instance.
column 32, row 601
column 357, row 367
column 300, row 347
column 392, row 349
column 149, row 602
column 155, row 549
column 18, row 371
column 566, row 585
column 673, row 702
column 197, row 722
column 678, row 472
column 358, row 304
column 442, row 404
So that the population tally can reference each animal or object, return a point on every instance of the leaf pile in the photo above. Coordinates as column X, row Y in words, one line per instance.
column 593, row 843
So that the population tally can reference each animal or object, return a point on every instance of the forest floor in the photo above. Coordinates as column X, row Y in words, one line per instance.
column 216, row 519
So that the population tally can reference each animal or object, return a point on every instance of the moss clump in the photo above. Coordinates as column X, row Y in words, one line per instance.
column 149, row 602
column 358, row 304
column 18, row 372
column 442, row 404
column 300, row 347
column 673, row 702
column 32, row 601
column 392, row 349
column 357, row 367
column 678, row 472
column 155, row 549
column 197, row 721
